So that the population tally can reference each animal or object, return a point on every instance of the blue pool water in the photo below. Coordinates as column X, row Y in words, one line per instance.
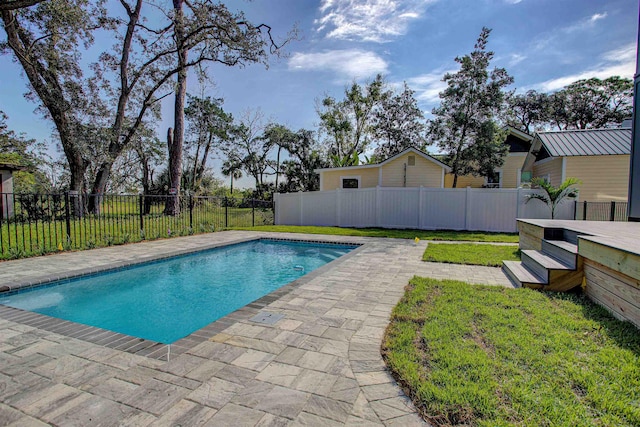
column 168, row 300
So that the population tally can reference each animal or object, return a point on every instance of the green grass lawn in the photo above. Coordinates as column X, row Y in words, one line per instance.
column 470, row 253
column 492, row 356
column 470, row 236
column 33, row 238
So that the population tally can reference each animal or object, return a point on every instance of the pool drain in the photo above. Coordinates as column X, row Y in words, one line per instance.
column 267, row 318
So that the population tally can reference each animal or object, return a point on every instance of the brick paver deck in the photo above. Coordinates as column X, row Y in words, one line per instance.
column 320, row 365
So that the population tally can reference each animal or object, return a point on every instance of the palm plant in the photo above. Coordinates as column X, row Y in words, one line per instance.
column 233, row 170
column 553, row 196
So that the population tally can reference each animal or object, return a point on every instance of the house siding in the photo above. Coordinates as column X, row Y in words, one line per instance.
column 464, row 181
column 331, row 179
column 511, row 169
column 553, row 168
column 425, row 173
column 604, row 178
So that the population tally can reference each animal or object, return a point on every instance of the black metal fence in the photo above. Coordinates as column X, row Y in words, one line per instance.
column 601, row 211
column 36, row 224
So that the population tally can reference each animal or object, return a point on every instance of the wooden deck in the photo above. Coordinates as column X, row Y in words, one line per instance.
column 610, row 252
column 624, row 236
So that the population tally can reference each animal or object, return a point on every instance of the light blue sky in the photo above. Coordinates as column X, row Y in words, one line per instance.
column 543, row 44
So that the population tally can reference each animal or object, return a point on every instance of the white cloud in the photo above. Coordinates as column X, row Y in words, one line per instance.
column 516, row 58
column 597, row 16
column 618, row 62
column 428, row 86
column 368, row 20
column 512, row 1
column 347, row 63
column 585, row 23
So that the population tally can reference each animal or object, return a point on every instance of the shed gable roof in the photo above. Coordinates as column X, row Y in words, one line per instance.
column 390, row 159
column 589, row 142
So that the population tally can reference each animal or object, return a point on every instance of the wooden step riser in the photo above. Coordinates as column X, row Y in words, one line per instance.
column 562, row 281
column 515, row 278
column 533, row 265
column 511, row 276
column 570, row 236
column 562, row 254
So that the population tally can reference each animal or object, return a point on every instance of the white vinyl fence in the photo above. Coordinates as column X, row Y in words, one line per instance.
column 482, row 209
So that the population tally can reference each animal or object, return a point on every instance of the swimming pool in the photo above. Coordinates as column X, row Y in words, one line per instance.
column 167, row 300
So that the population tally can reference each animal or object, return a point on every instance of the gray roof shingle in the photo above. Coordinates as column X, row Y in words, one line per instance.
column 589, row 142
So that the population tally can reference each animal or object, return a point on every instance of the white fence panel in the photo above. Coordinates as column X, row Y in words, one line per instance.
column 491, row 210
column 442, row 208
column 319, row 208
column 425, row 208
column 288, row 208
column 357, row 208
column 539, row 210
column 399, row 207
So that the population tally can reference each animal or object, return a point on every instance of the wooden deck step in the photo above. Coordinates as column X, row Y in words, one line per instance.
column 521, row 275
column 564, row 251
column 542, row 264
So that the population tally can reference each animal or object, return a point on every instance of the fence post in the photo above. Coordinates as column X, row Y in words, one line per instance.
column 191, row 212
column 276, row 210
column 301, row 206
column 226, row 212
column 141, row 205
column 584, row 211
column 253, row 212
column 378, row 206
column 420, row 206
column 612, row 216
column 67, row 214
column 338, row 207
column 467, row 208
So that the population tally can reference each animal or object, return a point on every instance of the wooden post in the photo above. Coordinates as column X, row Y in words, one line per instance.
column 612, row 214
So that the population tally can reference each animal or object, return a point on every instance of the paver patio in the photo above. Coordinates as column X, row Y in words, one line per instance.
column 320, row 365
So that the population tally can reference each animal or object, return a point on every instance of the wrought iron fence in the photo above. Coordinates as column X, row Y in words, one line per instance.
column 601, row 211
column 36, row 224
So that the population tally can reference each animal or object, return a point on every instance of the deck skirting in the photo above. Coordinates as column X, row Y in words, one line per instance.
column 616, row 291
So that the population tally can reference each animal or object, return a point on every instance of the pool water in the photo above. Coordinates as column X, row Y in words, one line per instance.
column 167, row 300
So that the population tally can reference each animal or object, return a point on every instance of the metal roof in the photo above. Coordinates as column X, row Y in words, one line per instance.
column 589, row 142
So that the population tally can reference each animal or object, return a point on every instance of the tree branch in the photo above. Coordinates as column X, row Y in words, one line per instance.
column 18, row 4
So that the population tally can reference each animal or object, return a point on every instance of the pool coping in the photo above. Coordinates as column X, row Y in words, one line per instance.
column 150, row 348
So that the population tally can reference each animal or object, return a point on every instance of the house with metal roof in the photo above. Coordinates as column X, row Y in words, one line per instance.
column 597, row 157
column 414, row 168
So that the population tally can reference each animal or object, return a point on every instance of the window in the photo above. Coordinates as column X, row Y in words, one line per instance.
column 525, row 177
column 494, row 180
column 350, row 183
column 411, row 161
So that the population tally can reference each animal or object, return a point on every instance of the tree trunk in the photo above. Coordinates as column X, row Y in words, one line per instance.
column 46, row 83
column 172, row 206
column 175, row 152
column 99, row 186
column 277, row 168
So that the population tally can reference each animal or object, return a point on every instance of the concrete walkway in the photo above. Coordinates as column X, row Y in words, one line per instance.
column 320, row 365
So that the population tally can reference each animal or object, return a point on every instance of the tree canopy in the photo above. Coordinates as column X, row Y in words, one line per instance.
column 464, row 125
